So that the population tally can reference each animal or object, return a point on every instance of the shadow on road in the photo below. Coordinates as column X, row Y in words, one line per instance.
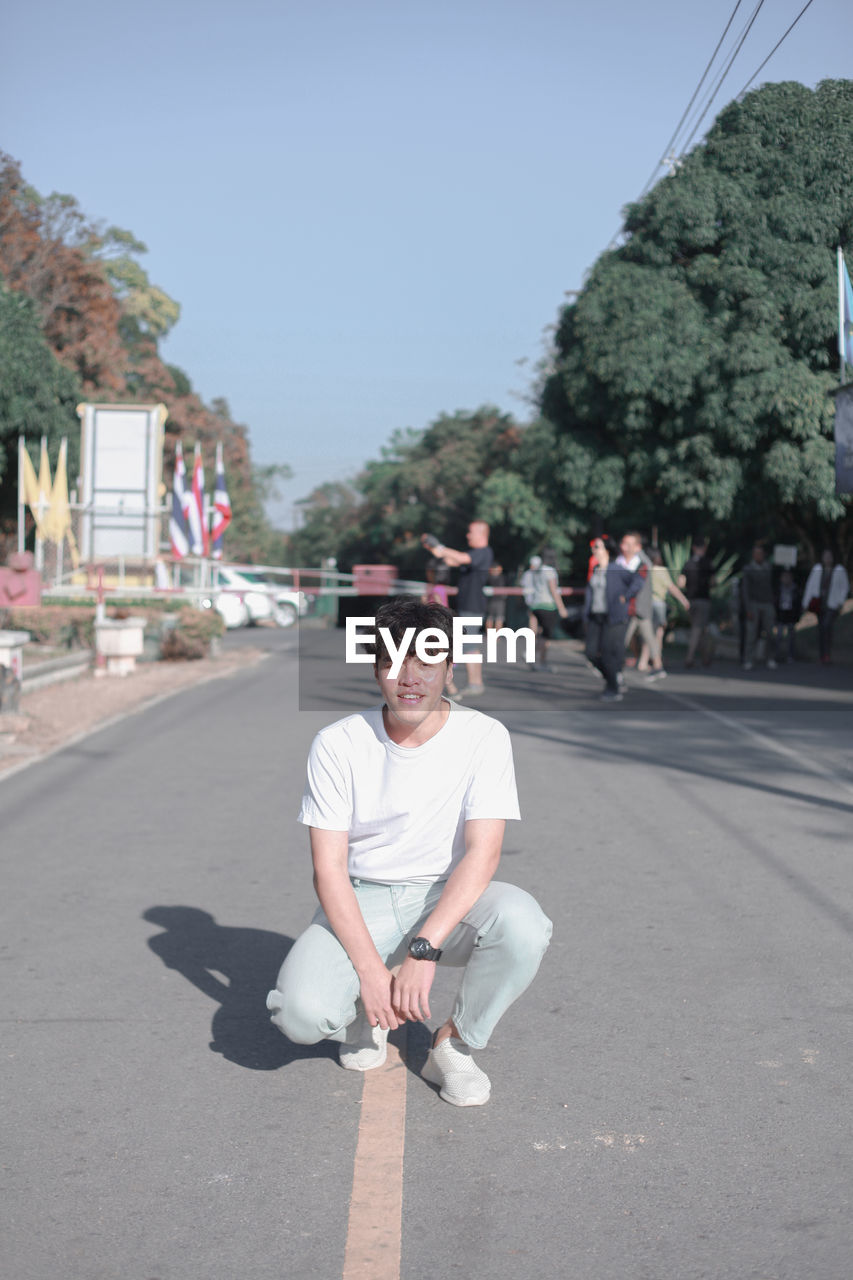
column 235, row 967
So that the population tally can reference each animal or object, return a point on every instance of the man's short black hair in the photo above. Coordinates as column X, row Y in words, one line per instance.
column 403, row 612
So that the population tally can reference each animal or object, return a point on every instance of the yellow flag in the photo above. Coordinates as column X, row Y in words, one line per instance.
column 31, row 490
column 58, row 522
column 45, row 485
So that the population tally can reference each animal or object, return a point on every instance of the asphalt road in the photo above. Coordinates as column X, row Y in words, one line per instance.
column 671, row 1099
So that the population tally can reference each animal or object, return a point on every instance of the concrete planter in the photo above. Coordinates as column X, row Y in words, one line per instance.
column 11, row 668
column 118, row 643
column 11, row 651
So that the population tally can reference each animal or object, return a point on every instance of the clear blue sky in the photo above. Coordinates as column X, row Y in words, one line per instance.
column 370, row 212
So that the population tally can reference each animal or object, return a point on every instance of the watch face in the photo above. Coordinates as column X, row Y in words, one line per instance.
column 419, row 947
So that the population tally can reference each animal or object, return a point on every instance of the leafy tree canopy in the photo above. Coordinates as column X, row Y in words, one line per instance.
column 691, row 375
column 38, row 395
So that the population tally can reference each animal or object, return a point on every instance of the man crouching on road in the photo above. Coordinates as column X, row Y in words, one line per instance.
column 406, row 805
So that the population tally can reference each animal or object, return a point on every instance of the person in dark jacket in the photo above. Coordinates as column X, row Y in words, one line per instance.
column 696, row 582
column 756, row 593
column 610, row 588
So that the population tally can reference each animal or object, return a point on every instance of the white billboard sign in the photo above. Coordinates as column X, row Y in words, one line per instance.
column 121, row 458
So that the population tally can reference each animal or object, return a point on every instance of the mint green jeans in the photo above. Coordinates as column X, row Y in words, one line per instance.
column 498, row 946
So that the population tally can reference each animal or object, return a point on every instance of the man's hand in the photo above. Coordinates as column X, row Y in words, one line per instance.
column 410, row 989
column 377, row 998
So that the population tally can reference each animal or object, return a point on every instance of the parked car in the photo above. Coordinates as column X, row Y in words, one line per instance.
column 289, row 604
column 231, row 608
column 228, row 586
column 246, row 597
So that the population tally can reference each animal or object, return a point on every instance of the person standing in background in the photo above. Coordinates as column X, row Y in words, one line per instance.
column 756, row 587
column 696, row 581
column 541, row 591
column 787, row 616
column 662, row 586
column 437, row 577
column 827, row 587
column 473, row 566
column 632, row 556
column 606, row 613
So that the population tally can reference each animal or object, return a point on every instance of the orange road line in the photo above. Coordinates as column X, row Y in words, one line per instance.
column 374, row 1233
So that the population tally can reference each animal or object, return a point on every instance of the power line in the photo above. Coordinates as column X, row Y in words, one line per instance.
column 775, row 47
column 669, row 152
column 668, row 148
column 725, row 72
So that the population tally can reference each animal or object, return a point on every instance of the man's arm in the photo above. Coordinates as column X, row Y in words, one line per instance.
column 467, row 881
column 451, row 557
column 329, row 850
column 447, row 554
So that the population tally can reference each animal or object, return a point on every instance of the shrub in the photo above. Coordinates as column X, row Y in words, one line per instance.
column 191, row 633
column 56, row 625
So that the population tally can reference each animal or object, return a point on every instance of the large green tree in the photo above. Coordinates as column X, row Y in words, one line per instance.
column 38, row 397
column 691, row 376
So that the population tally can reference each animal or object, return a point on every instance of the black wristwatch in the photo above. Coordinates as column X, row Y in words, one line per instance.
column 422, row 949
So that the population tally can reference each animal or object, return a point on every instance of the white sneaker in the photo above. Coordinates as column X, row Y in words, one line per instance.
column 461, row 1081
column 365, row 1047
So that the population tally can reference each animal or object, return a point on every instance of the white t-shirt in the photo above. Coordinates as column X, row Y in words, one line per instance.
column 405, row 808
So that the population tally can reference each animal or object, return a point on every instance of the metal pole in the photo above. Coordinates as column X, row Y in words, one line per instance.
column 100, row 615
column 841, row 313
column 21, row 505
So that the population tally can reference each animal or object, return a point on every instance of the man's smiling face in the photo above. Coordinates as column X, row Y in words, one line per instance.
column 414, row 709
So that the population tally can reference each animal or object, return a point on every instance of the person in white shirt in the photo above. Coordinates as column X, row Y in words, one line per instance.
column 540, row 587
column 406, row 804
column 826, row 589
column 631, row 556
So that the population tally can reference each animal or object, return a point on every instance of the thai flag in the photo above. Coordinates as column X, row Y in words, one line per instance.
column 198, row 526
column 221, row 507
column 179, row 532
